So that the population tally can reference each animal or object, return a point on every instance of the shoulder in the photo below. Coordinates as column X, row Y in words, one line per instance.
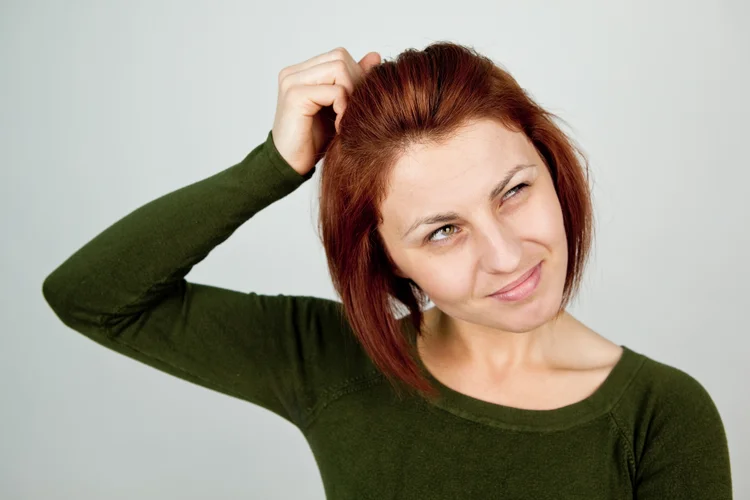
column 667, row 388
column 674, row 433
column 324, row 335
column 316, row 337
column 660, row 389
column 667, row 414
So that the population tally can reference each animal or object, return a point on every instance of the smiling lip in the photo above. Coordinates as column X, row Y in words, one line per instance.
column 517, row 282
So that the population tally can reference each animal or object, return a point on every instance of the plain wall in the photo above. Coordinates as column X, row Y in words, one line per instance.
column 108, row 105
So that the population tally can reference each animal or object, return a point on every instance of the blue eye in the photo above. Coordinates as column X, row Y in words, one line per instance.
column 514, row 191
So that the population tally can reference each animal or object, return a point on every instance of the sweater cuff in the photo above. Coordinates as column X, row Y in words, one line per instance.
column 281, row 164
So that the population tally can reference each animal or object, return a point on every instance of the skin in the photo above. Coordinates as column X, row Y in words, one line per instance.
column 515, row 353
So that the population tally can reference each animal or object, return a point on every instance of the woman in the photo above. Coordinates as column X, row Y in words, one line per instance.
column 443, row 182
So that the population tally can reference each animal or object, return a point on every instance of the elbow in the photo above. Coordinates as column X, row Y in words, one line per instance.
column 53, row 294
column 60, row 297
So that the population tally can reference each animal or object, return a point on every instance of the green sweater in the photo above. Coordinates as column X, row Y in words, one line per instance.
column 650, row 431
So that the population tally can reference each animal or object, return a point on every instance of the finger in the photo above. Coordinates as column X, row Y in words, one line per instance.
column 338, row 53
column 369, row 60
column 314, row 97
column 327, row 73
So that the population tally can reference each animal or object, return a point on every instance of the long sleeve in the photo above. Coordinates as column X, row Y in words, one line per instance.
column 683, row 452
column 125, row 289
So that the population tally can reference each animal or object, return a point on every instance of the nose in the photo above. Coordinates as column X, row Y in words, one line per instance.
column 499, row 248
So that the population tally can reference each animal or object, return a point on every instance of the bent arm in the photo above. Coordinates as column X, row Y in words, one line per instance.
column 125, row 289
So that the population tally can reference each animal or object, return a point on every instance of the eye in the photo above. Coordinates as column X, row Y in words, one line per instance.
column 430, row 237
column 513, row 192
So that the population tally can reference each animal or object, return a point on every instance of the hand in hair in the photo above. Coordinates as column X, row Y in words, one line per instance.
column 310, row 93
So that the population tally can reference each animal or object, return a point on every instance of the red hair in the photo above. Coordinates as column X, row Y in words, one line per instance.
column 425, row 97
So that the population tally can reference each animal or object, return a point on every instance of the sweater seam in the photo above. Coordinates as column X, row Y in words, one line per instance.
column 337, row 390
column 618, row 426
column 623, row 435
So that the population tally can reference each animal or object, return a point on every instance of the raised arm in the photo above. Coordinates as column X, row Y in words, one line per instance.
column 125, row 289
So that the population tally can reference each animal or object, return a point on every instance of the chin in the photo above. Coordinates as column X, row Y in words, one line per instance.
column 527, row 314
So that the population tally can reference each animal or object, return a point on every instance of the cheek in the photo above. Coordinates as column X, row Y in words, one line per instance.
column 541, row 219
column 441, row 280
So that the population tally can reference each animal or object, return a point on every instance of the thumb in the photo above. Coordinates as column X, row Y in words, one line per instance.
column 369, row 60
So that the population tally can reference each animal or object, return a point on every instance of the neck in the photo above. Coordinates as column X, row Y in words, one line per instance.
column 491, row 350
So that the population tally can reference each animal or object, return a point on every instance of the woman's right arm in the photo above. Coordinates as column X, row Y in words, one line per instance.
column 126, row 289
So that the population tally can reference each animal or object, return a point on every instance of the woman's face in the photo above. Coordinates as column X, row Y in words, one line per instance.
column 491, row 233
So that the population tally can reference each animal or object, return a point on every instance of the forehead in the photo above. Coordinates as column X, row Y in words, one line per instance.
column 462, row 170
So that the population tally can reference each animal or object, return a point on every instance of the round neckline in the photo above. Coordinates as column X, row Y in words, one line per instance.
column 599, row 402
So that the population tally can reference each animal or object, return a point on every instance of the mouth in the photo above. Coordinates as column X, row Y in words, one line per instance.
column 523, row 285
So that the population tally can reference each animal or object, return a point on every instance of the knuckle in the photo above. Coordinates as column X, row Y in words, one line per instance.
column 340, row 51
column 344, row 77
column 341, row 65
column 292, row 91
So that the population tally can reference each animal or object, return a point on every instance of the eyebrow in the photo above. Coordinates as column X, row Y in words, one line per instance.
column 450, row 216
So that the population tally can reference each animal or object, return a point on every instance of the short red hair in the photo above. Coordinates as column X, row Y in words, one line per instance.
column 422, row 97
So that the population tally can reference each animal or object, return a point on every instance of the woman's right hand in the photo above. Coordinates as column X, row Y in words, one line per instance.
column 300, row 129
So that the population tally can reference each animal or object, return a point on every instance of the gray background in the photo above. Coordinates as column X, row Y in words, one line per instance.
column 108, row 105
